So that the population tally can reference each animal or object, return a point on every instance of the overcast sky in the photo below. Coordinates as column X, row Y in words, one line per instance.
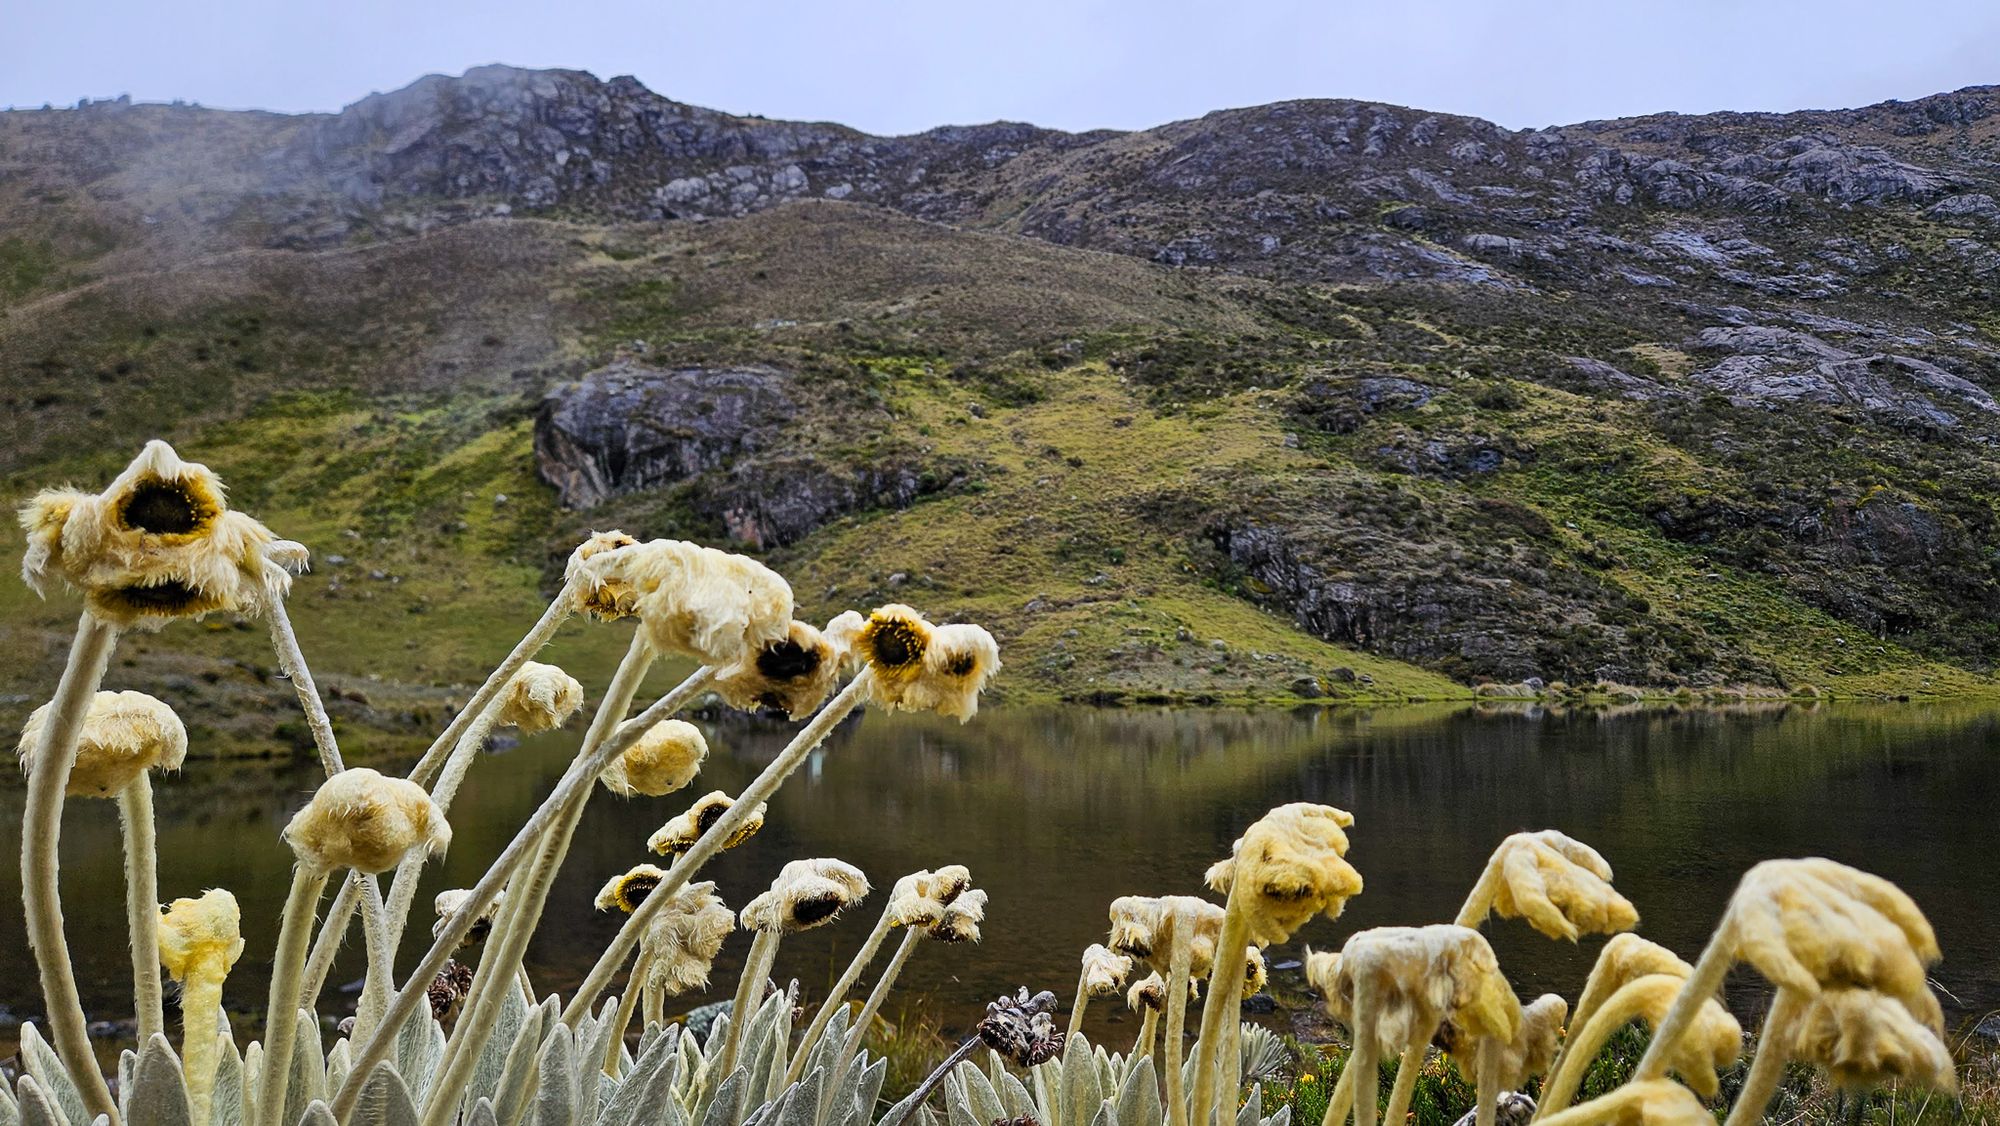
column 898, row 66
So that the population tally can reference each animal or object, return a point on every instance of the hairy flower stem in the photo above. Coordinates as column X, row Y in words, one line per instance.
column 496, row 681
column 1583, row 1043
column 902, row 1110
column 1479, row 902
column 1768, row 1068
column 1407, row 1069
column 628, row 1003
column 1486, row 1083
column 1702, row 984
column 749, row 992
column 582, row 772
column 760, row 790
column 41, row 826
column 526, row 895
column 327, row 946
column 142, row 904
column 403, row 892
column 1342, row 1099
column 851, row 1046
column 1149, row 1030
column 292, row 662
column 1225, row 981
column 281, row 1016
column 381, row 975
column 1082, row 1003
column 1179, row 966
column 1365, row 1062
column 837, row 997
column 653, row 1006
column 201, row 1031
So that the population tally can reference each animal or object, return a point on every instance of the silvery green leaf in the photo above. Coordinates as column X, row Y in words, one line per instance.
column 10, row 1108
column 1020, row 1104
column 1107, row 1114
column 985, row 1101
column 522, row 1070
column 869, row 1089
column 385, row 1099
column 225, row 1100
column 38, row 1107
column 128, row 1061
column 593, row 1038
column 339, row 1061
column 482, row 1114
column 253, row 1074
column 957, row 1107
column 507, row 1025
column 555, row 1102
column 41, row 1061
column 318, row 1114
column 725, row 1109
column 1081, row 1089
column 647, row 1086
column 418, row 1048
column 1282, row 1118
column 1139, row 1099
column 925, row 1117
column 308, row 1069
column 158, row 1087
column 1252, row 1113
column 1262, row 1052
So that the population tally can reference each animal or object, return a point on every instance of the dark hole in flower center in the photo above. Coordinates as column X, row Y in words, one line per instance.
column 787, row 660
column 635, row 889
column 164, row 508
column 708, row 817
column 961, row 664
column 896, row 645
column 171, row 596
column 817, row 909
column 481, row 927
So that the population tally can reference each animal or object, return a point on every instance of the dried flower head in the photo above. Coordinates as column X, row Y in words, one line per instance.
column 1527, row 1055
column 891, row 643
column 691, row 600
column 920, row 667
column 124, row 735
column 1863, row 1038
column 920, row 898
column 1808, row 923
column 1022, row 1028
column 1150, row 992
column 1404, row 982
column 202, row 936
column 1104, row 971
column 806, row 894
column 448, row 990
column 604, row 597
column 962, row 917
column 1560, row 885
column 361, row 820
column 627, row 890
column 539, row 698
column 666, row 758
column 447, row 904
column 156, row 545
column 794, row 674
column 681, row 833
column 684, row 938
column 1293, row 863
column 1148, row 928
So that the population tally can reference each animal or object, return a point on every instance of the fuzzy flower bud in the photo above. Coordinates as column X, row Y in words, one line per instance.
column 806, row 894
column 201, row 936
column 666, row 758
column 539, row 698
column 124, row 735
column 364, row 821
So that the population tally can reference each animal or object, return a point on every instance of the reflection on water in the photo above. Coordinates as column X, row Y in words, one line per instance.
column 1057, row 811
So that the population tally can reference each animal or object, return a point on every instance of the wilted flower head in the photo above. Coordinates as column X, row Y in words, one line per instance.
column 1403, row 982
column 920, row 898
column 1560, row 885
column 124, row 735
column 1862, row 1038
column 1809, row 923
column 806, row 894
column 447, row 991
column 1293, row 863
column 364, row 821
column 891, row 642
column 1150, row 992
column 202, row 936
column 844, row 634
column 156, row 545
column 539, row 698
column 447, row 904
column 685, row 936
column 962, row 917
column 693, row 601
column 1148, row 928
column 1527, row 1055
column 1104, row 971
column 1022, row 1028
column 666, row 758
column 680, row 834
column 793, row 674
column 604, row 597
column 1711, row 1043
column 627, row 890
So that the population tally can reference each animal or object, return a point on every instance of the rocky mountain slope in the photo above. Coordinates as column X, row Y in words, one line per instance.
column 1316, row 398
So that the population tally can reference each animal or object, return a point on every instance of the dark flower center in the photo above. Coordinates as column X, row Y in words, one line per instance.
column 171, row 597
column 706, row 820
column 481, row 927
column 818, row 909
column 165, row 508
column 961, row 664
column 634, row 890
column 896, row 644
column 787, row 660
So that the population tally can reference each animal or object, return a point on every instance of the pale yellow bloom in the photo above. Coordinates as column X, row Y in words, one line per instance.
column 604, row 597
column 627, row 890
column 844, row 634
column 684, row 938
column 962, row 917
column 124, row 735
column 361, row 820
column 1867, row 1039
column 539, row 698
column 806, row 894
column 1104, row 970
column 1149, row 927
column 1712, row 1042
column 666, row 758
column 958, row 663
column 201, row 936
column 691, row 600
column 447, row 904
column 1150, row 992
column 157, row 544
column 794, row 674
column 1560, row 885
column 920, row 898
column 681, row 833
column 1405, row 982
column 1527, row 1055
column 1808, row 923
column 1255, row 976
column 892, row 643
column 1292, row 862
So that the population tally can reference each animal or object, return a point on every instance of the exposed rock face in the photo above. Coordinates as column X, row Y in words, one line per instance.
column 1774, row 365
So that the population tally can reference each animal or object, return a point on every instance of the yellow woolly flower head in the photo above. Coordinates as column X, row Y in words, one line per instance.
column 627, row 890
column 806, row 894
column 666, row 758
column 1104, row 970
column 1528, row 1054
column 680, row 834
column 447, row 904
column 604, row 597
column 1255, row 974
column 684, row 938
column 1397, row 984
column 920, row 898
column 1560, row 885
column 1149, row 928
column 158, row 544
column 793, row 674
column 692, row 601
column 1863, row 1038
column 962, row 917
column 843, row 633
column 892, row 643
column 361, row 820
column 1293, row 865
column 201, row 937
column 919, row 667
column 124, row 735
column 539, row 698
column 1711, row 1043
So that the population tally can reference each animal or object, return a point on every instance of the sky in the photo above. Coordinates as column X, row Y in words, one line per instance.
column 897, row 66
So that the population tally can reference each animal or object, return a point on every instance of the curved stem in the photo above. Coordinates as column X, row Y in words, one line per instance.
column 201, row 1032
column 1149, row 1030
column 628, row 1002
column 537, row 636
column 851, row 1047
column 1487, row 1083
column 909, row 1106
column 293, row 663
column 327, row 946
column 1585, row 1041
column 41, row 826
column 1178, row 966
column 1407, row 1069
column 1225, row 978
column 749, row 995
column 837, row 997
column 1342, row 1099
column 1480, row 900
column 281, row 1016
column 403, row 891
column 1769, row 1066
column 757, row 792
column 1701, row 985
column 142, row 904
column 381, row 975
column 1366, row 1060
column 653, row 1005
column 582, row 772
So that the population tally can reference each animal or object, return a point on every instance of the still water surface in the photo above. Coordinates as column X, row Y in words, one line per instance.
column 1057, row 811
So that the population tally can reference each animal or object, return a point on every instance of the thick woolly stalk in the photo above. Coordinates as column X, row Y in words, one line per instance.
column 526, row 895
column 281, row 1016
column 1082, row 1003
column 1479, row 902
column 496, row 681
column 1179, row 967
column 1406, row 1080
column 327, row 946
column 851, row 1046
column 201, row 1038
column 582, row 772
column 1149, row 1030
column 1342, row 1099
column 749, row 992
column 1225, row 983
column 628, row 1002
column 1768, row 1068
column 1486, row 1084
column 142, row 904
column 838, row 996
column 1701, row 986
column 380, row 978
column 759, row 791
column 1365, row 1062
column 292, row 661
column 1583, row 1043
column 41, row 825
column 403, row 892
column 653, row 1006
